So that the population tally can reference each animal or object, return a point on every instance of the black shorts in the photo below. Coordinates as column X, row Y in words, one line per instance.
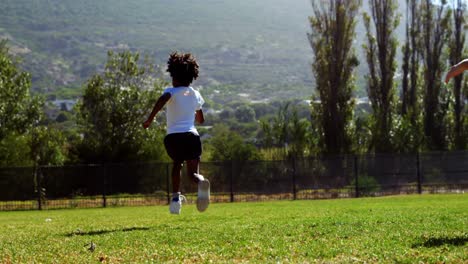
column 183, row 146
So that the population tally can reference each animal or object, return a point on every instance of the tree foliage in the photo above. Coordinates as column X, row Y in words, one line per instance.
column 19, row 110
column 380, row 52
column 333, row 30
column 245, row 114
column 20, row 114
column 15, row 150
column 286, row 135
column 408, row 126
column 113, row 107
column 47, row 146
column 299, row 136
column 228, row 145
column 411, row 57
column 457, row 51
column 435, row 32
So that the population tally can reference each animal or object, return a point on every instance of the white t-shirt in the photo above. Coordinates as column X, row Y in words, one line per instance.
column 181, row 107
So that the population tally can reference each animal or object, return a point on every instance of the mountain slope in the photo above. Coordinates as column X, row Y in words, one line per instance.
column 72, row 37
column 63, row 42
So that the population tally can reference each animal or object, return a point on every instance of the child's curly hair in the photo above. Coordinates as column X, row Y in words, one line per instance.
column 183, row 67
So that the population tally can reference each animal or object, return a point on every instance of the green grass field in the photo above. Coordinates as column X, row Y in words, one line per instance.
column 405, row 229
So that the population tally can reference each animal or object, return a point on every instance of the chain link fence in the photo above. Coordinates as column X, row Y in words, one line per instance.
column 346, row 176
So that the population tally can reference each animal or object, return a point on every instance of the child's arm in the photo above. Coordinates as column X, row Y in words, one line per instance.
column 199, row 116
column 456, row 70
column 157, row 107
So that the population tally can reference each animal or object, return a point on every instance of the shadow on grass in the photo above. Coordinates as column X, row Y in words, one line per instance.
column 440, row 241
column 79, row 232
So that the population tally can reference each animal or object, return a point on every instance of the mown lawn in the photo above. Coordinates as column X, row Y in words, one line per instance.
column 407, row 229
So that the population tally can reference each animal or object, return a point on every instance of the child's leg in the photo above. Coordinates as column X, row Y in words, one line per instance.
column 176, row 168
column 203, row 197
column 192, row 169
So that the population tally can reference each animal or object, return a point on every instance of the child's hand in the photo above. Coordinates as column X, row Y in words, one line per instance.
column 146, row 124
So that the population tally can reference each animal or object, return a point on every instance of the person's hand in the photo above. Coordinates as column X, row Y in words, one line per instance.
column 146, row 124
column 454, row 71
column 457, row 69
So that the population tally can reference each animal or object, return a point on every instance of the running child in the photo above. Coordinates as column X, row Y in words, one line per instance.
column 182, row 142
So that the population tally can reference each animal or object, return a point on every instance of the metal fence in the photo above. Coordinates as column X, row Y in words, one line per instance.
column 51, row 187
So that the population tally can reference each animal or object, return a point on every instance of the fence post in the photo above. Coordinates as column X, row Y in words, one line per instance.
column 231, row 181
column 356, row 176
column 168, row 178
column 294, row 178
column 104, row 186
column 418, row 173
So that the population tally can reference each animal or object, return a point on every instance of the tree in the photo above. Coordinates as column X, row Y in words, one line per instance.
column 456, row 53
column 408, row 127
column 299, row 135
column 381, row 51
column 411, row 51
column 15, row 150
column 227, row 145
column 276, row 130
column 62, row 117
column 333, row 31
column 245, row 114
column 47, row 146
column 112, row 110
column 287, row 133
column 435, row 32
column 19, row 110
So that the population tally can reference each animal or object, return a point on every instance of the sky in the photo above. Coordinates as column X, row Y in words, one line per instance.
column 451, row 2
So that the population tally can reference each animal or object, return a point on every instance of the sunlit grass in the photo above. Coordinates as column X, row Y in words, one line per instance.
column 427, row 228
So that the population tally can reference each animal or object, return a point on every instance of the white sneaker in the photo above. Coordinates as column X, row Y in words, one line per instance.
column 203, row 199
column 176, row 204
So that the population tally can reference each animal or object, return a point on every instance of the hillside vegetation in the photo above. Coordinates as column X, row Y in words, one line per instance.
column 241, row 43
column 64, row 42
